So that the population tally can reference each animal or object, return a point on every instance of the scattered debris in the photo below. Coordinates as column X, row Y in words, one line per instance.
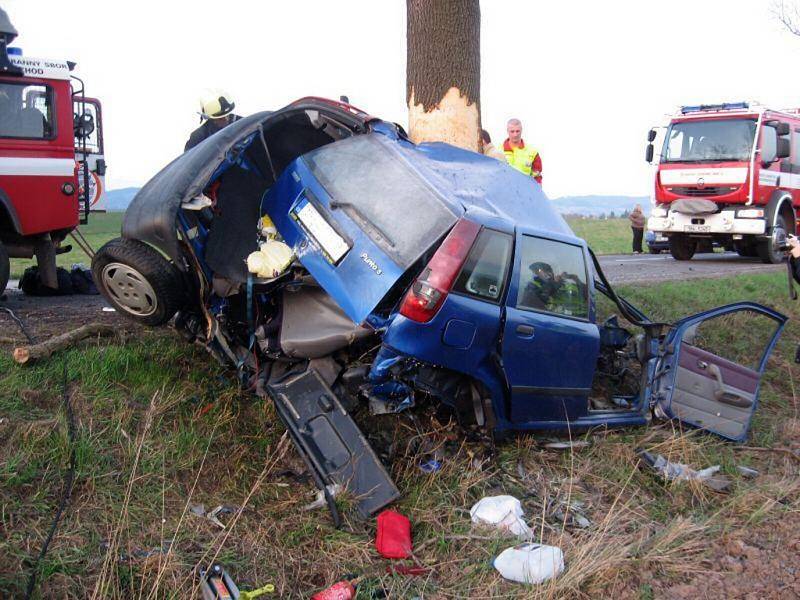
column 216, row 584
column 250, row 594
column 342, row 590
column 530, row 563
column 571, row 514
column 412, row 571
column 213, row 515
column 571, row 445
column 393, row 539
column 29, row 354
column 680, row 472
column 108, row 309
column 748, row 472
column 502, row 512
column 430, row 466
column 137, row 553
column 334, row 490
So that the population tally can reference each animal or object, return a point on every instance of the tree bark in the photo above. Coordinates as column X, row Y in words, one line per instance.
column 443, row 71
column 28, row 354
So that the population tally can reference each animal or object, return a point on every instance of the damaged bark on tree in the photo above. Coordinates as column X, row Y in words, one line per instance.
column 443, row 71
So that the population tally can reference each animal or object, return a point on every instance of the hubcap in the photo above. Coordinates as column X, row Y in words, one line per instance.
column 778, row 240
column 130, row 289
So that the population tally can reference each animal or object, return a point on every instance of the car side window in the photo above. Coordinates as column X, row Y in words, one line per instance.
column 484, row 272
column 553, row 278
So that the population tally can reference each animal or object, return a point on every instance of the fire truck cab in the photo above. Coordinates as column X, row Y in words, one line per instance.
column 730, row 174
column 51, row 157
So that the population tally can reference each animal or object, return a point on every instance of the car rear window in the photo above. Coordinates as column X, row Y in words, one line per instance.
column 553, row 278
column 484, row 272
column 371, row 182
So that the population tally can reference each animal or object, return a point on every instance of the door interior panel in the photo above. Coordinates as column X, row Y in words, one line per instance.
column 713, row 393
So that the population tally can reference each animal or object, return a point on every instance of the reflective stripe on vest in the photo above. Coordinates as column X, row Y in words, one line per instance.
column 522, row 159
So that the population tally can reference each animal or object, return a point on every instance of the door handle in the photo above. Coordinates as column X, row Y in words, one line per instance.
column 525, row 330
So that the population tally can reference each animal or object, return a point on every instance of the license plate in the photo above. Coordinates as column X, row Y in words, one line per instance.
column 697, row 228
column 331, row 243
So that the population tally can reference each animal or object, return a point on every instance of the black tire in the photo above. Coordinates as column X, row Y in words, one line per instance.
column 138, row 281
column 769, row 250
column 682, row 247
column 5, row 268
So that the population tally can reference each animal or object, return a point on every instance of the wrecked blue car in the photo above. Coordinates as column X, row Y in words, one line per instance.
column 335, row 264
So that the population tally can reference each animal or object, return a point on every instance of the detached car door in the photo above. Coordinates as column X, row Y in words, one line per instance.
column 710, row 373
column 550, row 343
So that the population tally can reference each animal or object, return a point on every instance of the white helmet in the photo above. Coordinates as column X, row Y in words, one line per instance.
column 215, row 104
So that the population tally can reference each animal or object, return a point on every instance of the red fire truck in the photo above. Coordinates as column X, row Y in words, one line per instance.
column 51, row 157
column 727, row 174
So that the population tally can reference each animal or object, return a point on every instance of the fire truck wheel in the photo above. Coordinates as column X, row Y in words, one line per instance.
column 769, row 250
column 682, row 247
column 138, row 281
column 5, row 268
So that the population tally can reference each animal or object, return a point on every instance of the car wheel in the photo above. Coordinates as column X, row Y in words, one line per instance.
column 682, row 247
column 769, row 250
column 138, row 281
column 5, row 268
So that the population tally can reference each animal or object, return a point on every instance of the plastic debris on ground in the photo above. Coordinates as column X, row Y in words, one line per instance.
column 342, row 590
column 393, row 539
column 748, row 472
column 571, row 514
column 573, row 445
column 213, row 515
column 501, row 512
column 679, row 472
column 334, row 490
column 530, row 563
column 430, row 466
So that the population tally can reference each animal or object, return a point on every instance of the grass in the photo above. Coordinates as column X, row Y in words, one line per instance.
column 101, row 228
column 161, row 426
column 606, row 236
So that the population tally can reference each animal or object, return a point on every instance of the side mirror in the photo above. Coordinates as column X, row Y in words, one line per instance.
column 648, row 155
column 782, row 128
column 783, row 149
column 83, row 125
column 100, row 167
column 651, row 135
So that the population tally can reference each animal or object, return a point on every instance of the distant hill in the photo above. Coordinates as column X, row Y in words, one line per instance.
column 118, row 200
column 597, row 205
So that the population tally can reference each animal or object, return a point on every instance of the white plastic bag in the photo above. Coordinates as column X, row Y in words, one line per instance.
column 503, row 512
column 530, row 563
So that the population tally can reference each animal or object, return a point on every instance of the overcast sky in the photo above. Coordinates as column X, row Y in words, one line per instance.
column 587, row 78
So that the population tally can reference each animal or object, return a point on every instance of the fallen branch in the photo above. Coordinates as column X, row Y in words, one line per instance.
column 28, row 354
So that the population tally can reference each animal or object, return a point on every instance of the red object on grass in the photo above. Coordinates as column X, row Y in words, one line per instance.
column 342, row 590
column 394, row 535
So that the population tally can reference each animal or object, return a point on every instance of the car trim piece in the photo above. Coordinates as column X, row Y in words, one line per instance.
column 550, row 391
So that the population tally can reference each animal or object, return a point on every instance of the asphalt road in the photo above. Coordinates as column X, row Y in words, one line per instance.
column 634, row 268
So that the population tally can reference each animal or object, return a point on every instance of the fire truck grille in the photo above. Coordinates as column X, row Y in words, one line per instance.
column 705, row 192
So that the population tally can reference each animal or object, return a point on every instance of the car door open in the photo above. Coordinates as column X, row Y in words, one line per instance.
column 711, row 370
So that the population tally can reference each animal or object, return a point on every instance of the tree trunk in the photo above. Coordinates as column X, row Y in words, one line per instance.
column 443, row 71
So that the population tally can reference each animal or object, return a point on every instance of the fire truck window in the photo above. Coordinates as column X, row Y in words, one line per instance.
column 796, row 147
column 93, row 139
column 769, row 143
column 700, row 141
column 26, row 111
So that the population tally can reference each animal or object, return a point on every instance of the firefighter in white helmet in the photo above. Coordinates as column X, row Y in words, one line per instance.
column 216, row 112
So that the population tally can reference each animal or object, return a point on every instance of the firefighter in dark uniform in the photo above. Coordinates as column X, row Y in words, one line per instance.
column 216, row 112
column 548, row 291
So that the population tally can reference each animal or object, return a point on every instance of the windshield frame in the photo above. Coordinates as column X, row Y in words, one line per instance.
column 664, row 156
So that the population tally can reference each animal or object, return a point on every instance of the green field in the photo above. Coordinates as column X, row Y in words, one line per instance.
column 161, row 426
column 605, row 236
column 101, row 228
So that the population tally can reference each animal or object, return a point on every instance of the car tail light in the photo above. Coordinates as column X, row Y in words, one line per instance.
column 427, row 293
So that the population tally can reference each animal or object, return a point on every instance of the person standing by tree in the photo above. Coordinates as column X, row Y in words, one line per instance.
column 523, row 158
column 637, row 227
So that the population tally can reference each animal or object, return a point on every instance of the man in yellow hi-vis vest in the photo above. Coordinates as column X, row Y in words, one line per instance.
column 520, row 156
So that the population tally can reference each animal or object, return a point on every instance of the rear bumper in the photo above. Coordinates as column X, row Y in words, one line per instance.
column 724, row 222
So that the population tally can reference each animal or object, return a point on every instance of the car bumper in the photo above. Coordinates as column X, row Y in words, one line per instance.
column 724, row 222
